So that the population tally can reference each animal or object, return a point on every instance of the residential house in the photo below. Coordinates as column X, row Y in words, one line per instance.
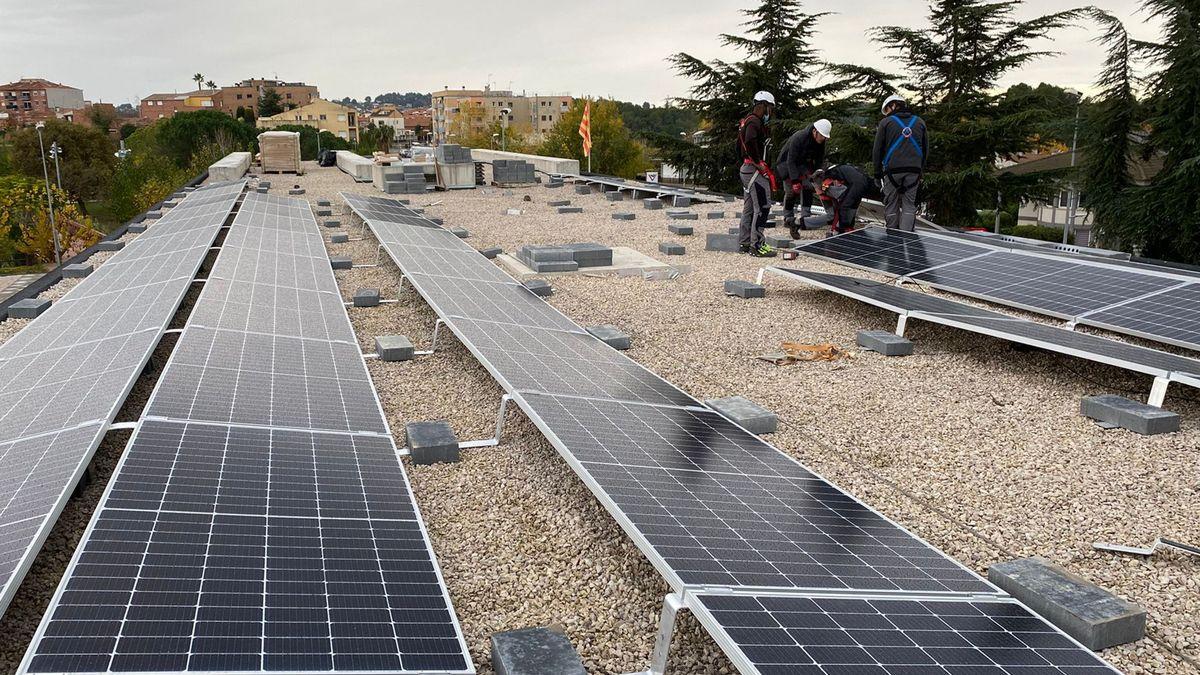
column 158, row 106
column 529, row 114
column 320, row 114
column 31, row 100
column 246, row 94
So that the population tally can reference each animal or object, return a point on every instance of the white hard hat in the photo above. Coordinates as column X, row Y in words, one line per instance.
column 823, row 127
column 764, row 97
column 888, row 101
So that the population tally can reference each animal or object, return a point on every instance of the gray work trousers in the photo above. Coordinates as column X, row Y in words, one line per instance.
column 756, row 208
column 900, row 201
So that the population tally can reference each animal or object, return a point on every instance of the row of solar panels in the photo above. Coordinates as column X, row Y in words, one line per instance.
column 1135, row 299
column 260, row 519
column 639, row 188
column 720, row 513
column 64, row 377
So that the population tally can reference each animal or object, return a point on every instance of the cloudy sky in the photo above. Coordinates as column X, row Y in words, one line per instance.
column 120, row 50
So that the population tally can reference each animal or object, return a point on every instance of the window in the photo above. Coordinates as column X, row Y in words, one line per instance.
column 239, row 97
column 1064, row 199
column 341, row 117
column 289, row 95
column 323, row 117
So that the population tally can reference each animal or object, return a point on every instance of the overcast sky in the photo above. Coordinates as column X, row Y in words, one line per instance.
column 120, row 50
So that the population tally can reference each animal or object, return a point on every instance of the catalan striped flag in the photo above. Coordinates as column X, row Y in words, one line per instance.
column 585, row 129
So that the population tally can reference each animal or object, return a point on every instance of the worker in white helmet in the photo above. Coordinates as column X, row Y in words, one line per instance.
column 758, row 182
column 803, row 154
column 901, row 147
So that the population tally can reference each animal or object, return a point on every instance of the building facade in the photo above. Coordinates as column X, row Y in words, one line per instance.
column 529, row 114
column 246, row 94
column 159, row 106
column 320, row 114
column 31, row 100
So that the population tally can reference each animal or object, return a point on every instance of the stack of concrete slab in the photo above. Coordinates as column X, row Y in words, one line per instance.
column 230, row 167
column 449, row 153
column 357, row 166
column 455, row 169
column 565, row 257
column 510, row 171
column 280, row 151
column 549, row 165
column 400, row 178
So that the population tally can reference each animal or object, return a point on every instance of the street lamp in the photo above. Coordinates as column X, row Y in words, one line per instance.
column 504, row 127
column 1073, row 195
column 49, row 196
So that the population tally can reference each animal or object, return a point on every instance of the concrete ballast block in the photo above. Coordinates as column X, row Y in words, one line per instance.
column 558, row 202
column 540, row 288
column 744, row 289
column 333, row 223
column 1093, row 616
column 152, row 215
column 683, row 215
column 570, row 209
column 670, row 248
column 394, row 348
column 340, row 238
column 751, row 416
column 296, row 191
column 610, row 335
column 323, row 202
column 681, row 230
column 716, row 215
column 431, row 442
column 136, row 228
column 1128, row 414
column 29, row 308
column 491, row 253
column 721, row 242
column 77, row 271
column 681, row 201
column 624, row 216
column 341, row 262
column 324, row 212
column 652, row 204
column 779, row 241
column 460, row 232
column 535, row 651
column 583, row 189
column 110, row 246
column 615, row 196
column 366, row 297
column 884, row 342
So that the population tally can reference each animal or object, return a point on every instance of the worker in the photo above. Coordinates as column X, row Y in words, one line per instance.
column 757, row 180
column 841, row 189
column 901, row 147
column 803, row 154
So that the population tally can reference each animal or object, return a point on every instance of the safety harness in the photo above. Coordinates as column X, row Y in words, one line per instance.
column 906, row 133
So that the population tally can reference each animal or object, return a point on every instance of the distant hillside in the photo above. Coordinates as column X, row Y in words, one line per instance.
column 411, row 99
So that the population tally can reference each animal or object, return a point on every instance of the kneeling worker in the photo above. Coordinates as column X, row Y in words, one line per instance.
column 841, row 188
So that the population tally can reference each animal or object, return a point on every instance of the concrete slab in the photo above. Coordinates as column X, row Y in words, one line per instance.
column 744, row 289
column 394, row 348
column 652, row 204
column 670, row 248
column 681, row 230
column 491, row 253
column 460, row 232
column 77, row 271
column 683, row 215
column 610, row 335
column 779, row 241
column 431, row 442
column 296, row 192
column 110, row 246
column 583, row 189
column 716, row 215
column 1093, row 616
column 339, row 238
column 681, row 201
column 324, row 212
column 884, row 342
column 29, row 308
column 624, row 216
column 366, row 297
column 538, row 287
column 570, row 209
column 721, row 242
column 535, row 651
column 625, row 261
column 1128, row 414
column 554, row 266
column 152, row 215
column 741, row 410
column 333, row 223
column 615, row 196
column 324, row 202
column 558, row 202
column 136, row 228
column 341, row 262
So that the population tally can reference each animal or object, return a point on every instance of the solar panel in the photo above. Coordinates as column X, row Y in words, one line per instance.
column 561, row 362
column 886, row 295
column 794, row 635
column 892, row 251
column 489, row 301
column 464, row 264
column 711, row 504
column 1053, row 286
column 64, row 377
column 1172, row 316
column 274, row 310
column 384, row 210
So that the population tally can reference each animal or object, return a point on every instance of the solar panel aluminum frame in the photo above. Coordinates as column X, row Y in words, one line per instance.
column 644, row 545
column 984, row 250
column 10, row 588
column 691, row 600
column 1083, row 320
column 1188, row 379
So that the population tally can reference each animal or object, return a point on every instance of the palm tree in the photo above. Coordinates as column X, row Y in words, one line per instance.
column 198, row 79
column 210, row 84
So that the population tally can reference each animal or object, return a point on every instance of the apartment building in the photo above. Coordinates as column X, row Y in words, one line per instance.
column 31, row 100
column 246, row 94
column 159, row 106
column 323, row 115
column 529, row 114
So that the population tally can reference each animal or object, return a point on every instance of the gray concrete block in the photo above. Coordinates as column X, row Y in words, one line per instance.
column 333, row 223
column 366, row 297
column 136, row 228
column 110, row 246
column 534, row 651
column 491, row 253
column 734, row 230
column 323, row 202
column 559, row 202
column 615, row 196
column 431, row 442
column 590, row 254
column 77, row 271
column 610, row 335
column 152, row 215
column 538, row 287
column 741, row 410
column 681, row 201
column 437, row 221
column 683, row 215
column 670, row 248
column 341, row 262
column 459, row 232
column 554, row 184
column 653, row 204
column 570, row 209
column 296, row 191
column 339, row 238
column 884, row 342
column 583, row 189
column 324, row 212
column 624, row 216
column 262, row 190
column 779, row 241
column 681, row 230
column 1093, row 616
column 29, row 308
column 264, row 183
column 546, row 254
column 1128, row 414
column 394, row 348
column 555, row 266
column 721, row 242
column 744, row 289
column 716, row 215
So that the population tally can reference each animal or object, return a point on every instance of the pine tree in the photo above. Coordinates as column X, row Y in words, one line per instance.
column 269, row 102
column 953, row 66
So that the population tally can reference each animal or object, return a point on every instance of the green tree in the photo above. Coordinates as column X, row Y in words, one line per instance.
column 953, row 66
column 669, row 120
column 614, row 150
column 87, row 160
column 308, row 140
column 270, row 103
column 181, row 135
column 25, row 220
column 210, row 84
column 198, row 79
column 127, row 130
column 101, row 117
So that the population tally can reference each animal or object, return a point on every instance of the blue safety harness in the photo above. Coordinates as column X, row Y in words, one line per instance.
column 906, row 132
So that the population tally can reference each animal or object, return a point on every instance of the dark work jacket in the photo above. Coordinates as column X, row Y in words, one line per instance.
column 905, row 158
column 801, row 155
column 752, row 136
column 856, row 183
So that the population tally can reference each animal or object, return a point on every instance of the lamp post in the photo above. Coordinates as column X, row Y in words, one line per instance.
column 1073, row 195
column 504, row 112
column 49, row 196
